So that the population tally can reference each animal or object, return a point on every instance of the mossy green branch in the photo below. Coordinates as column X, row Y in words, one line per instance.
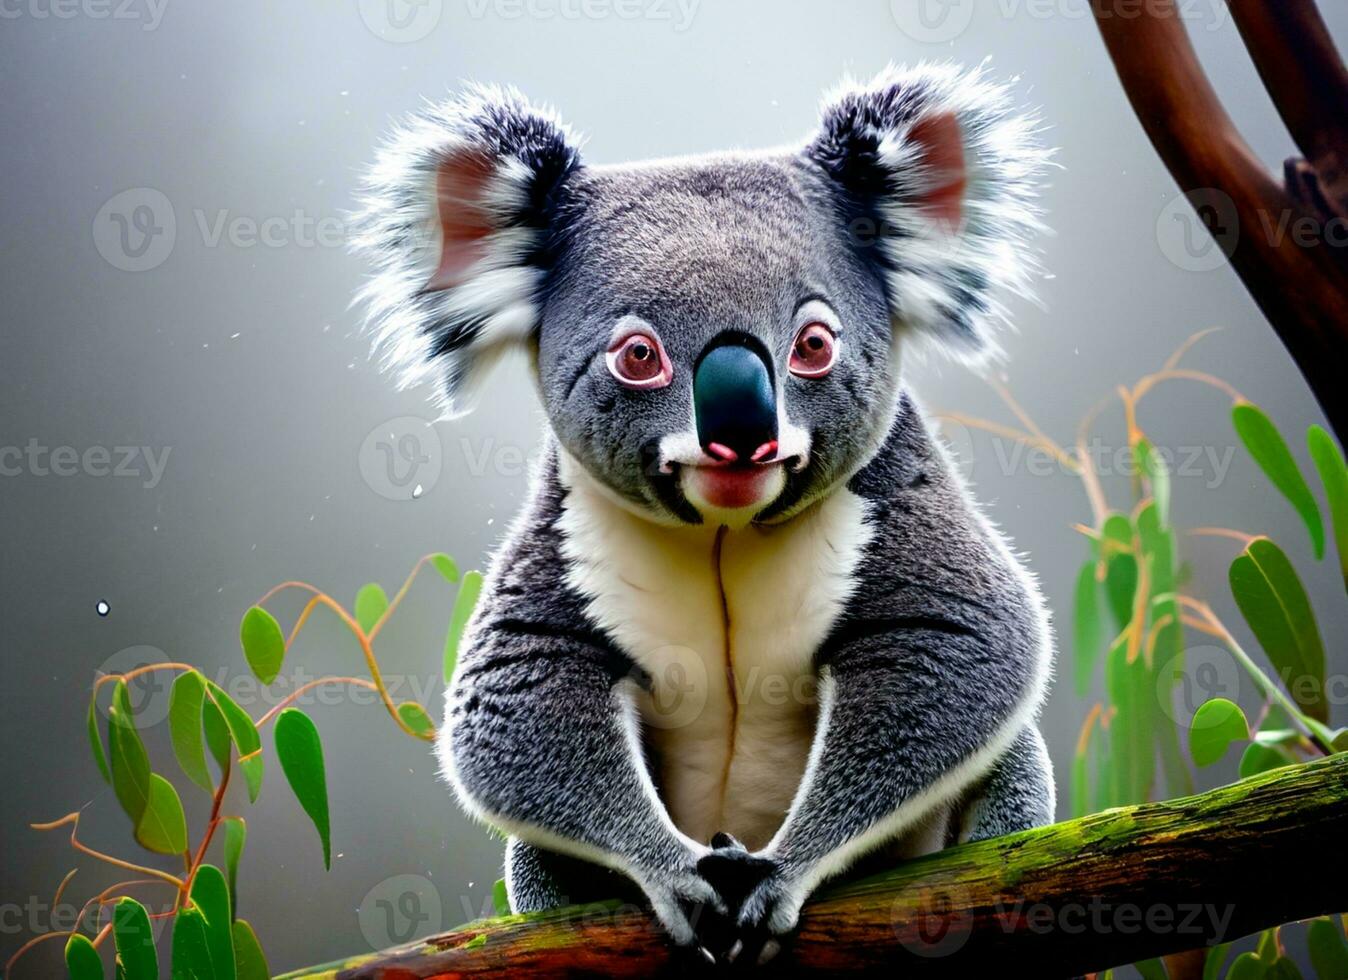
column 1128, row 884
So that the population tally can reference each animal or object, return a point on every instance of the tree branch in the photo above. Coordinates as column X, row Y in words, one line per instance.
column 1120, row 886
column 1280, row 248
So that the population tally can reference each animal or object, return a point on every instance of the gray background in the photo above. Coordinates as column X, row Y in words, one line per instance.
column 244, row 362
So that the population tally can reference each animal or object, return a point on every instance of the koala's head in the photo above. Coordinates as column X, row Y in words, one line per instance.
column 716, row 339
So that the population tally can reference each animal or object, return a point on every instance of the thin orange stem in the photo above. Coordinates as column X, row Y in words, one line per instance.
column 1172, row 362
column 61, row 888
column 1005, row 394
column 1084, row 739
column 305, row 688
column 195, row 862
column 1222, row 532
column 1150, row 381
column 398, row 597
column 131, row 675
column 74, row 820
column 299, row 623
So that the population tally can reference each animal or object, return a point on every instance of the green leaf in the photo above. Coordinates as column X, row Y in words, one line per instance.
column 371, row 602
column 463, row 608
column 82, row 960
column 1151, row 969
column 1133, row 729
column 1329, row 462
column 1283, row 969
column 136, row 956
column 1215, row 725
column 445, row 566
column 1081, row 782
column 415, row 717
column 499, row 900
column 1269, row 449
column 191, row 953
column 1215, row 960
column 96, row 740
column 162, row 827
column 130, row 764
column 1329, row 953
column 1275, row 605
column 236, row 835
column 185, row 721
column 210, row 896
column 1339, row 743
column 1158, row 476
column 248, row 956
column 243, row 733
column 301, row 755
column 1121, row 587
column 264, row 645
column 1267, row 949
column 1259, row 757
column 1247, row 966
column 217, row 733
column 1086, row 632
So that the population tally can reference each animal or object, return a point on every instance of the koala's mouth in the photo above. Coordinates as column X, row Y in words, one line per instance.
column 726, row 488
column 733, row 486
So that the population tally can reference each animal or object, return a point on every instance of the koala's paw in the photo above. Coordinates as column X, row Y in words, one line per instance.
column 679, row 898
column 738, row 876
column 767, row 916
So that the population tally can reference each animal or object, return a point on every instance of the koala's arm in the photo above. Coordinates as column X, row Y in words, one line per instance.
column 541, row 739
column 929, row 682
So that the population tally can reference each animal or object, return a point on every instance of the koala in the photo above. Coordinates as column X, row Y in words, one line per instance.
column 751, row 630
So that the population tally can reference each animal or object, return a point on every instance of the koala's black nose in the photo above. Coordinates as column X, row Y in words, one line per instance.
column 734, row 401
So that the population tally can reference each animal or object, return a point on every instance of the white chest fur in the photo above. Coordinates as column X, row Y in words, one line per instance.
column 727, row 624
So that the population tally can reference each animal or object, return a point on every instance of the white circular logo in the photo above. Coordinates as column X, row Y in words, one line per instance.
column 401, row 459
column 148, row 692
column 398, row 910
column 401, row 21
column 679, row 688
column 1198, row 231
column 1194, row 676
column 932, row 21
column 939, row 927
column 135, row 230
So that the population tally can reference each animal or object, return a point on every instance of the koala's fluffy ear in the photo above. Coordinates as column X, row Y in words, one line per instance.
column 936, row 174
column 460, row 216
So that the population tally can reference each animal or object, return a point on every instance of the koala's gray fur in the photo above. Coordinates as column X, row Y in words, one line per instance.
column 935, row 654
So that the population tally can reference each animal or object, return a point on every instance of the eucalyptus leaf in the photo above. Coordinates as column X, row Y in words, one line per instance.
column 1247, row 966
column 1329, row 952
column 1133, row 729
column 1151, row 969
column 415, row 717
column 1121, row 579
column 236, row 835
column 371, row 603
column 1266, row 444
column 1275, row 605
column 131, row 933
column 210, row 895
column 1158, row 475
column 1087, row 627
column 445, row 566
column 249, row 960
column 469, row 589
column 191, row 953
column 162, row 828
column 500, row 901
column 264, row 645
column 301, row 754
column 243, row 733
column 1215, row 725
column 186, row 698
column 82, row 960
column 1215, row 960
column 1329, row 462
column 1259, row 757
column 129, row 762
column 217, row 733
column 96, row 741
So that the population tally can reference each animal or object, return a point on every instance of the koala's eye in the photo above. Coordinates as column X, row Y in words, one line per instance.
column 638, row 361
column 813, row 353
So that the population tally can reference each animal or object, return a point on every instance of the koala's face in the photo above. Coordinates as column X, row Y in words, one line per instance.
column 716, row 339
column 711, row 348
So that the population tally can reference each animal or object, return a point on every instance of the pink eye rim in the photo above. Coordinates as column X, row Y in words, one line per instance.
column 814, row 350
column 625, row 359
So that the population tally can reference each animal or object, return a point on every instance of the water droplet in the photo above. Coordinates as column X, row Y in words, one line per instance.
column 102, row 607
column 417, row 491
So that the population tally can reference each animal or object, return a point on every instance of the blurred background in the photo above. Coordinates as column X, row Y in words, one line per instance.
column 176, row 293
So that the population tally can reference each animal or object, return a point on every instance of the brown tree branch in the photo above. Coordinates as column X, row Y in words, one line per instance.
column 1280, row 248
column 1120, row 886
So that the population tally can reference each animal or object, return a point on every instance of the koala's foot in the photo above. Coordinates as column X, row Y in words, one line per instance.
column 736, row 875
